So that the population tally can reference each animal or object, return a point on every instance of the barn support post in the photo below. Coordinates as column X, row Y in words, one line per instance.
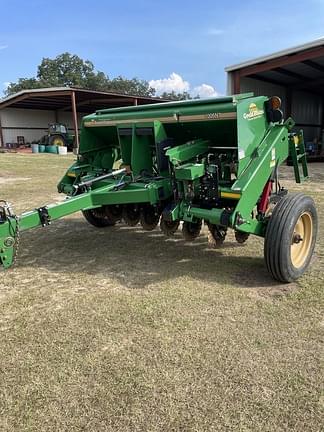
column 322, row 125
column 237, row 82
column 288, row 102
column 75, row 123
column 1, row 133
column 135, row 101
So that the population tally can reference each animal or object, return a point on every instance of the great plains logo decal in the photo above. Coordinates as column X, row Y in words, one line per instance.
column 254, row 112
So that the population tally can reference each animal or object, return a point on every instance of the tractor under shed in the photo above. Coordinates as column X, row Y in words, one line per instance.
column 28, row 113
column 296, row 75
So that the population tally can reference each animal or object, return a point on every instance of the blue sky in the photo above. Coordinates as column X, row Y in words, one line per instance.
column 194, row 40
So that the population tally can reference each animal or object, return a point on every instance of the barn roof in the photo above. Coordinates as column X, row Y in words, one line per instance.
column 59, row 98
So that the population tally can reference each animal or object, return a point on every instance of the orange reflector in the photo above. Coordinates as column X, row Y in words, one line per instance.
column 275, row 102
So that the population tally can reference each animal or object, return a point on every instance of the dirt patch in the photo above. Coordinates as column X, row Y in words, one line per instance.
column 4, row 180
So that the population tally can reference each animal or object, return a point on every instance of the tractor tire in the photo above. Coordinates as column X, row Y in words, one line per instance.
column 57, row 140
column 97, row 217
column 191, row 230
column 290, row 237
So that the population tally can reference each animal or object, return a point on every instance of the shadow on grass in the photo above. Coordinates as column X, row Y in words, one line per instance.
column 138, row 258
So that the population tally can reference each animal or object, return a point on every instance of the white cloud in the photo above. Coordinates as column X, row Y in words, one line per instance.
column 174, row 82
column 215, row 31
column 204, row 91
column 2, row 47
column 6, row 84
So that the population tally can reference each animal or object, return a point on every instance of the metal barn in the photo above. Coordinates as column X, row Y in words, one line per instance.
column 297, row 76
column 28, row 113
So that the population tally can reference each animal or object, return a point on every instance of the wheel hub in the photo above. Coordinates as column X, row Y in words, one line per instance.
column 301, row 240
column 297, row 238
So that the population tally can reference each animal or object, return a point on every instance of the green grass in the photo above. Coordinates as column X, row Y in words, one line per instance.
column 124, row 330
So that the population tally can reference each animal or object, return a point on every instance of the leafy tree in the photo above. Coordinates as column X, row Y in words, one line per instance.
column 23, row 84
column 97, row 81
column 67, row 70
column 176, row 96
column 133, row 86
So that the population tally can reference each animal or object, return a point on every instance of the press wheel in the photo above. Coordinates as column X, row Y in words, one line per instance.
column 97, row 217
column 169, row 227
column 114, row 212
column 131, row 214
column 241, row 237
column 149, row 217
column 191, row 230
column 216, row 234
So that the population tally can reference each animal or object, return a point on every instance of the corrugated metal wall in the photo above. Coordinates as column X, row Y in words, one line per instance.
column 306, row 107
column 261, row 88
column 32, row 124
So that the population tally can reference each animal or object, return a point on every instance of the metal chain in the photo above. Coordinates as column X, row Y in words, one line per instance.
column 17, row 241
column 16, row 234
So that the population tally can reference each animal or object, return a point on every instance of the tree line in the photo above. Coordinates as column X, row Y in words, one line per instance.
column 68, row 70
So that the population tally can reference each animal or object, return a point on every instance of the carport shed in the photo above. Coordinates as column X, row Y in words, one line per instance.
column 296, row 75
column 29, row 112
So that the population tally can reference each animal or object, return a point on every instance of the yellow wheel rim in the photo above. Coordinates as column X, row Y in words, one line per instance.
column 58, row 142
column 301, row 240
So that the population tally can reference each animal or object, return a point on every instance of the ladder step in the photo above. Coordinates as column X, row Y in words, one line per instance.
column 300, row 156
